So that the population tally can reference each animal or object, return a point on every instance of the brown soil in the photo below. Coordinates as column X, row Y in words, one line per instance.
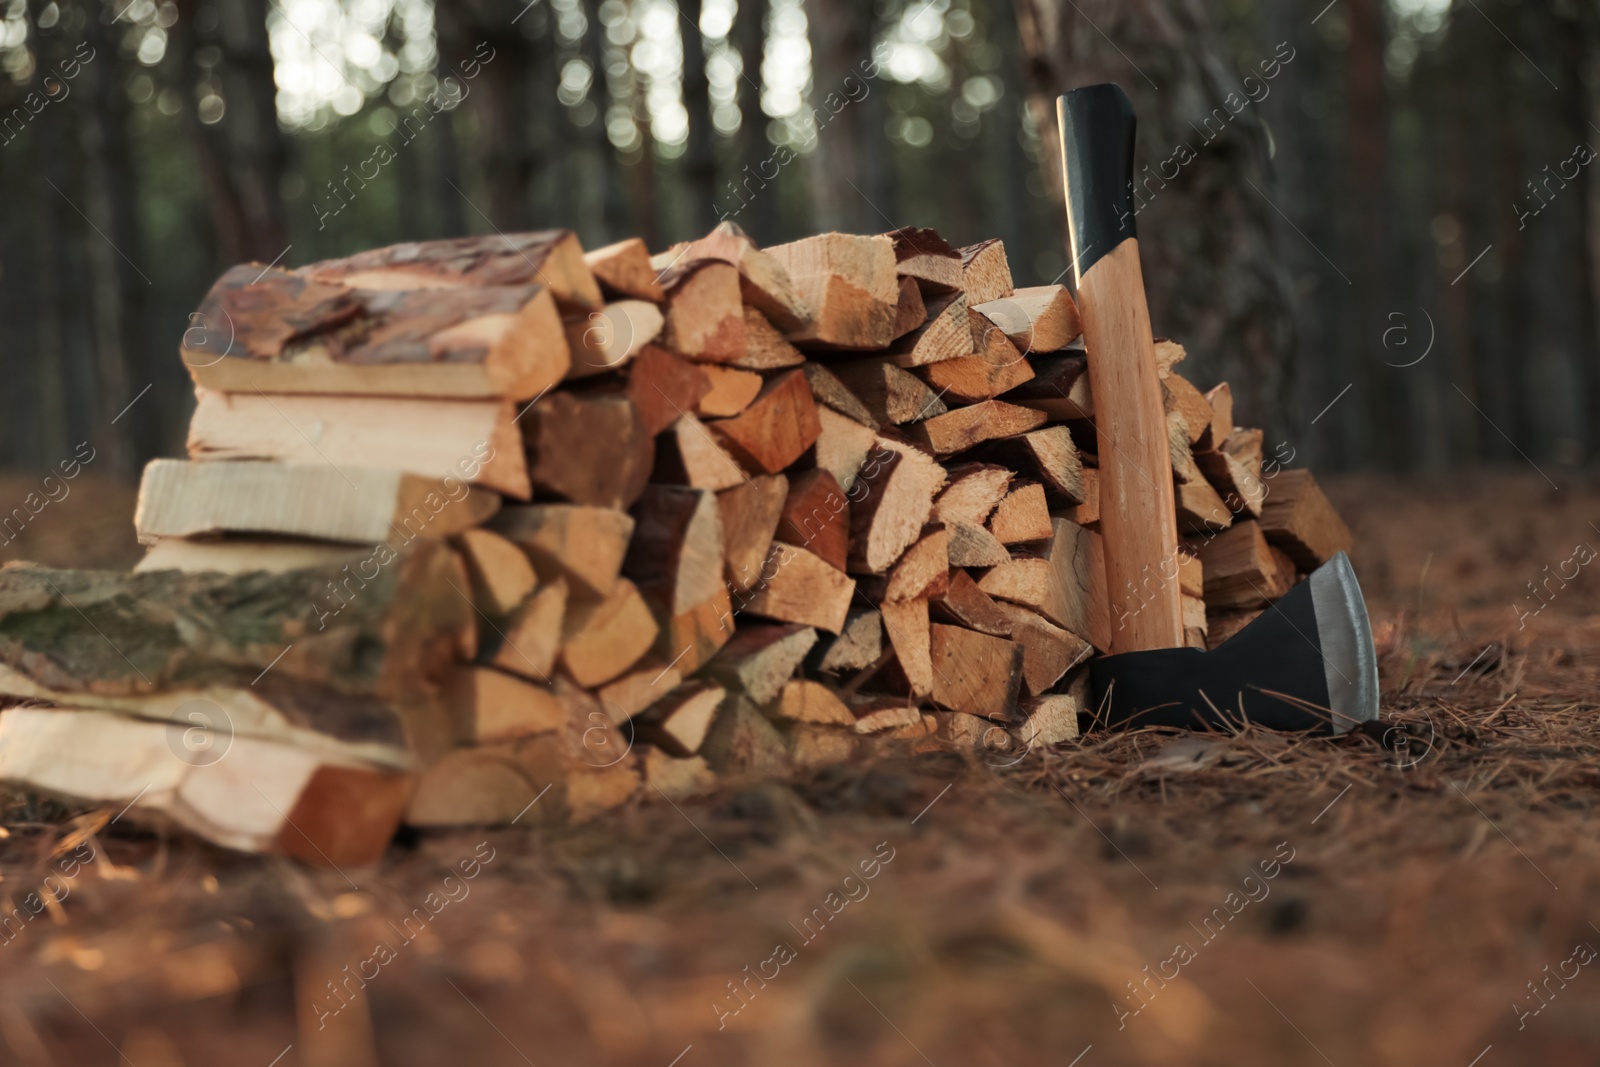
column 1413, row 904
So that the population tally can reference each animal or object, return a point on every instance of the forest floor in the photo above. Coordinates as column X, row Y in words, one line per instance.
column 1275, row 901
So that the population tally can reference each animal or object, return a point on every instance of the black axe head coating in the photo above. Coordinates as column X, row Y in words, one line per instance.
column 1097, row 131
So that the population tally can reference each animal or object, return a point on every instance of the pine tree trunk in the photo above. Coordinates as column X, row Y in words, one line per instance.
column 699, row 157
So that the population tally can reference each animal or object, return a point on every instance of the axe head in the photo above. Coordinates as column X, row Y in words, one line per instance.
column 1306, row 664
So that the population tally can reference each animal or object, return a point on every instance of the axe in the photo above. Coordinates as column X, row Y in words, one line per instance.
column 1307, row 663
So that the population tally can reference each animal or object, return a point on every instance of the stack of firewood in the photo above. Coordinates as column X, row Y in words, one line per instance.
column 482, row 530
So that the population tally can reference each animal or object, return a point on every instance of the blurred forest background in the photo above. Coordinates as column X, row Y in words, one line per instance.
column 1373, row 216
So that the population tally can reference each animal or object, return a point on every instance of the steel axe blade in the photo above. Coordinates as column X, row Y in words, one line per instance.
column 1306, row 664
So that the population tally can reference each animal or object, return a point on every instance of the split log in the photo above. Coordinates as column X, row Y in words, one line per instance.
column 1242, row 491
column 1298, row 517
column 240, row 555
column 1242, row 570
column 972, row 545
column 493, row 785
column 995, row 367
column 1221, row 400
column 1023, row 515
column 858, row 646
column 743, row 743
column 764, row 281
column 812, row 746
column 677, row 779
column 688, row 641
column 532, row 636
column 678, row 724
column 985, row 272
column 491, row 706
column 1039, row 318
column 264, row 797
column 602, row 638
column 663, row 387
column 912, row 311
column 609, row 338
column 885, row 715
column 1053, row 718
column 765, row 347
column 1200, row 509
column 1169, row 354
column 906, row 623
column 975, row 673
column 968, row 427
column 360, row 504
column 1065, row 583
column 923, row 570
column 1088, row 512
column 946, row 334
column 731, row 392
column 848, row 286
column 1191, row 572
column 888, row 393
column 624, row 268
column 585, row 545
column 677, row 541
column 777, row 427
column 282, row 332
column 972, row 493
column 921, row 254
column 843, row 446
column 812, row 702
column 900, row 484
column 799, row 587
column 964, row 604
column 1189, row 402
column 502, row 577
column 760, row 659
column 552, row 258
column 705, row 317
column 816, row 516
column 1181, row 459
column 590, row 450
column 751, row 513
column 1048, row 651
column 645, row 683
column 827, row 389
column 1059, row 387
column 689, row 455
column 1048, row 453
column 474, row 440
column 1194, row 622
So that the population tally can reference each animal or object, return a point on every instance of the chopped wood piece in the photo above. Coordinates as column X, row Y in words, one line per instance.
column 1242, row 570
column 1194, row 620
column 963, row 732
column 624, row 268
column 812, row 702
column 677, row 540
column 765, row 347
column 1168, row 355
column 760, row 659
column 688, row 641
column 888, row 393
column 995, row 367
column 1299, row 518
column 946, row 334
column 1222, row 625
column 1022, row 516
column 358, row 504
column 816, row 516
column 679, row 723
column 593, row 791
column 777, row 427
column 502, row 577
column 922, row 570
column 912, row 311
column 609, row 338
column 648, row 681
column 585, row 545
column 764, row 282
column 603, row 638
column 318, row 807
column 1053, row 718
column 1182, row 459
column 705, row 318
column 881, row 715
column 533, row 633
column 1040, row 318
column 826, row 388
column 985, row 272
column 1049, row 453
column 589, row 450
column 731, row 392
column 968, row 427
column 1059, row 387
column 474, row 440
column 491, row 706
column 812, row 746
column 1191, row 572
column 906, row 623
column 1240, row 487
column 972, row 493
column 1066, row 583
column 663, row 386
column 677, row 779
column 1200, row 509
column 750, row 512
column 552, row 258
column 932, row 261
column 1048, row 651
column 972, row 545
column 240, row 555
column 857, row 647
column 689, row 455
column 797, row 586
column 1184, row 399
column 964, row 604
column 1221, row 427
column 901, row 482
column 493, row 785
column 848, row 286
column 1088, row 512
column 842, row 446
column 742, row 743
column 281, row 332
column 975, row 673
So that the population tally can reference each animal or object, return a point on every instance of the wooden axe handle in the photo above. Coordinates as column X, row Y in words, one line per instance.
column 1138, row 516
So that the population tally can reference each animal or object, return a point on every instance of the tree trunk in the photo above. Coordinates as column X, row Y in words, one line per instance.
column 841, row 43
column 482, row 31
column 699, row 157
column 747, row 199
column 1366, row 159
column 258, row 152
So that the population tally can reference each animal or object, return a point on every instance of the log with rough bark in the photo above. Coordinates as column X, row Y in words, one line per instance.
column 552, row 258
